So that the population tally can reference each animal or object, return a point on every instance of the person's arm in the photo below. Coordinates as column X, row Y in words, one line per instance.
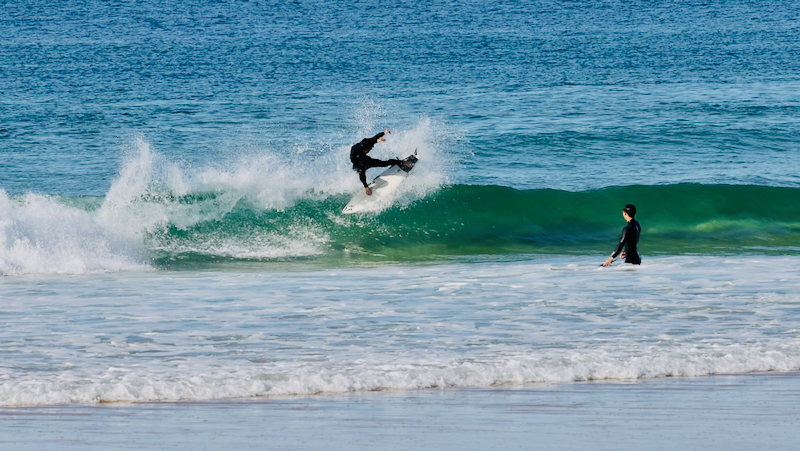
column 621, row 244
column 619, row 247
column 377, row 138
column 369, row 142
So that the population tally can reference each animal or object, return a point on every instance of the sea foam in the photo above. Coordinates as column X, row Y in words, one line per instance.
column 149, row 336
column 184, row 382
column 40, row 235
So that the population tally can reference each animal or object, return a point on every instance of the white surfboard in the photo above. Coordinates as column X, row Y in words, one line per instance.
column 382, row 187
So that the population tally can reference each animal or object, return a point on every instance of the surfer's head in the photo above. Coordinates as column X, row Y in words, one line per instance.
column 630, row 211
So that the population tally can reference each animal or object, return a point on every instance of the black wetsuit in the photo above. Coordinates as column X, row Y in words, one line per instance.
column 361, row 161
column 629, row 241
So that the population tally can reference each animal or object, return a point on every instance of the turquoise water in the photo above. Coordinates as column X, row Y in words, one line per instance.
column 180, row 156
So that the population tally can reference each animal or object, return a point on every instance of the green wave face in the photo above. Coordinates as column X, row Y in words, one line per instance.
column 479, row 220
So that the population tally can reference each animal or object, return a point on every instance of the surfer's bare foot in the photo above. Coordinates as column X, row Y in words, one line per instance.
column 368, row 191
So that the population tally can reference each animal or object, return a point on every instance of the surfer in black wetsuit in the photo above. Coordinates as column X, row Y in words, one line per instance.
column 629, row 239
column 361, row 161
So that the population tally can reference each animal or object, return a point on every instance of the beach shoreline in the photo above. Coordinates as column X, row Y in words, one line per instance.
column 742, row 411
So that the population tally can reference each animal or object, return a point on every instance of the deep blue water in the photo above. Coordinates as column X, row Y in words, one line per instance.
column 565, row 95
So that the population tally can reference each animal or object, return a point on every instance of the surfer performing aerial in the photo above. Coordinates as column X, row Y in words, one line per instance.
column 629, row 239
column 361, row 161
column 380, row 192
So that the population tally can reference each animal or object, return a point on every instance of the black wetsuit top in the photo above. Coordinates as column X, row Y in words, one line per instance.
column 629, row 241
column 361, row 161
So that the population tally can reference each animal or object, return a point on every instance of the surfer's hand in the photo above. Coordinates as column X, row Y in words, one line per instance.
column 622, row 255
column 386, row 132
column 608, row 262
column 381, row 139
column 367, row 190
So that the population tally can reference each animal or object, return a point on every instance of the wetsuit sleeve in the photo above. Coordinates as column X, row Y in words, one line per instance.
column 621, row 243
column 374, row 140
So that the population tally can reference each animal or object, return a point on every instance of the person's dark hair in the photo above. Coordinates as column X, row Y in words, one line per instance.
column 631, row 210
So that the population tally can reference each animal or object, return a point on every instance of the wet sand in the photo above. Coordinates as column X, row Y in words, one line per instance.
column 759, row 411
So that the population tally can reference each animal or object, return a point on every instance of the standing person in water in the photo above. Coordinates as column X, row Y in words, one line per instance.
column 629, row 240
column 361, row 161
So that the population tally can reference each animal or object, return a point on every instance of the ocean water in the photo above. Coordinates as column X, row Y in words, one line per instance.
column 173, row 175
